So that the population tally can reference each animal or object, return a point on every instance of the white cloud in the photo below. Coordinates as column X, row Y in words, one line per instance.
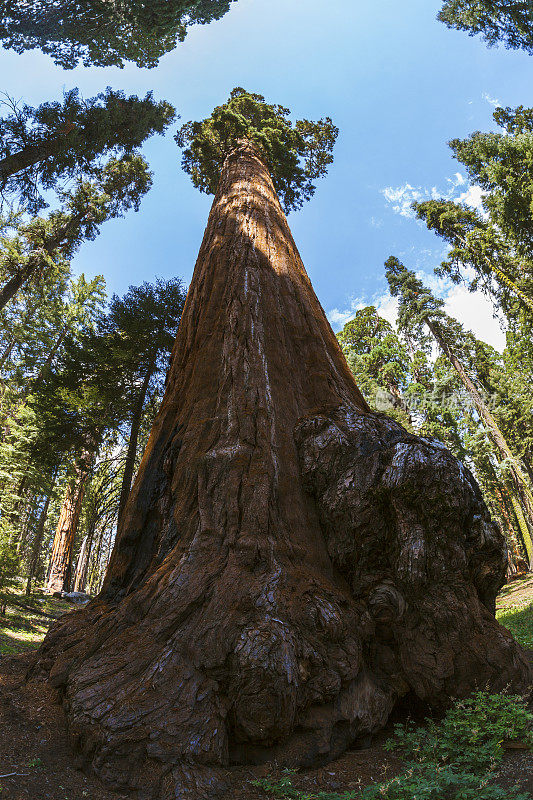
column 401, row 198
column 473, row 196
column 491, row 100
column 472, row 309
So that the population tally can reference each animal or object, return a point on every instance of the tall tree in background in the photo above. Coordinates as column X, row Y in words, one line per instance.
column 143, row 325
column 56, row 141
column 418, row 308
column 497, row 246
column 377, row 358
column 288, row 563
column 509, row 22
column 60, row 568
column 100, row 33
column 37, row 245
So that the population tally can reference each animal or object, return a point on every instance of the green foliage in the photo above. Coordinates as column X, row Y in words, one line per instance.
column 100, row 33
column 42, row 246
column 9, row 561
column 498, row 21
column 296, row 154
column 379, row 361
column 58, row 141
column 470, row 735
column 453, row 759
column 496, row 247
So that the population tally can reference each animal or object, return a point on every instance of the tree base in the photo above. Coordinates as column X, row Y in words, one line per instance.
column 246, row 648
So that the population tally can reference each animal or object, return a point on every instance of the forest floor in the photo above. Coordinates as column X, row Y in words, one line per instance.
column 34, row 744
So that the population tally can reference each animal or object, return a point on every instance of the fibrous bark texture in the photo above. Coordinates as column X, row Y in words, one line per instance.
column 289, row 563
column 60, row 568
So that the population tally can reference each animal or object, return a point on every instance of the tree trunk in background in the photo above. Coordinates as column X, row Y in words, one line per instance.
column 60, row 568
column 29, row 156
column 38, row 259
column 82, row 565
column 519, row 480
column 37, row 543
column 517, row 562
column 80, row 572
column 289, row 564
column 131, row 454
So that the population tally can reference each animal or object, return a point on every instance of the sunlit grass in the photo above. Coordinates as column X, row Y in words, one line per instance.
column 23, row 629
column 518, row 618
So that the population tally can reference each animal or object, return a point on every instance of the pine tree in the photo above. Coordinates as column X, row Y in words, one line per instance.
column 99, row 33
column 419, row 308
column 42, row 243
column 143, row 325
column 378, row 360
column 509, row 22
column 498, row 245
column 288, row 562
column 58, row 141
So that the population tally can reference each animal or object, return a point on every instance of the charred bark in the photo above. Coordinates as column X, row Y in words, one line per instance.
column 289, row 563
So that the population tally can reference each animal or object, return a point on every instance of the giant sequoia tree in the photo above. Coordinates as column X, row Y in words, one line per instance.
column 289, row 563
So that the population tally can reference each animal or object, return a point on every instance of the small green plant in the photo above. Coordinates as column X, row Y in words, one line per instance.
column 471, row 734
column 35, row 762
column 453, row 759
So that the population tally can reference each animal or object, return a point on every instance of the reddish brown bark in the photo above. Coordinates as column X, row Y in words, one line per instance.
column 289, row 563
column 60, row 568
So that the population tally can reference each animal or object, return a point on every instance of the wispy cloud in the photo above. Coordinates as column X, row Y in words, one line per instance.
column 472, row 309
column 491, row 100
column 401, row 198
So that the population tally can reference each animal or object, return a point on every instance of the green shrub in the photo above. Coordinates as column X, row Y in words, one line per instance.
column 453, row 759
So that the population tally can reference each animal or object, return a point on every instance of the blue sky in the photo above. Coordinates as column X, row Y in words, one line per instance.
column 397, row 83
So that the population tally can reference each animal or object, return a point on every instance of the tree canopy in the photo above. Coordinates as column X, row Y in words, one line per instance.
column 296, row 153
column 59, row 140
column 509, row 22
column 100, row 33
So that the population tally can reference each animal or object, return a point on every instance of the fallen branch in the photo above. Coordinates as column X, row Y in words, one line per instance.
column 9, row 774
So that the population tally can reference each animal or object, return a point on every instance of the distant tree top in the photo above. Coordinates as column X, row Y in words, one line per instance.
column 296, row 153
column 102, row 33
column 59, row 140
column 498, row 21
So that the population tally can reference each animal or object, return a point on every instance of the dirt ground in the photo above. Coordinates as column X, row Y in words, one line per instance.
column 34, row 746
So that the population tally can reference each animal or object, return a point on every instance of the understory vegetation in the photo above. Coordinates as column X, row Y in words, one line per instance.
column 456, row 758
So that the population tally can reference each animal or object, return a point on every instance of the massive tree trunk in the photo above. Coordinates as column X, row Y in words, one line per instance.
column 289, row 563
column 60, row 568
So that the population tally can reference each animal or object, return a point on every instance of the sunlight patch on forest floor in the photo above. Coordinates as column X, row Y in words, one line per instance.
column 22, row 629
